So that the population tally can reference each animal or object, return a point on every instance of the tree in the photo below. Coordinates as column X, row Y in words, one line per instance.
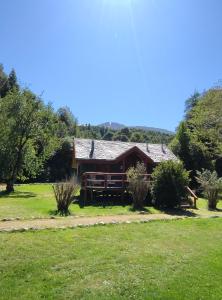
column 211, row 186
column 120, row 137
column 125, row 131
column 59, row 166
column 27, row 136
column 191, row 103
column 181, row 144
column 108, row 136
column 169, row 184
column 12, row 81
column 136, row 137
column 198, row 141
column 4, row 88
column 188, row 149
column 68, row 122
column 205, row 126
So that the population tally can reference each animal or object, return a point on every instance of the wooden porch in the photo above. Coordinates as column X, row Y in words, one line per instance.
column 113, row 183
column 105, row 182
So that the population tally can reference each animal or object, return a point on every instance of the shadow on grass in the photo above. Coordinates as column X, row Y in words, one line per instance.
column 104, row 201
column 17, row 195
column 216, row 210
column 179, row 212
column 145, row 210
column 55, row 212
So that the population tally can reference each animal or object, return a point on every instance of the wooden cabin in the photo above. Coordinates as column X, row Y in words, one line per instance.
column 116, row 157
column 102, row 165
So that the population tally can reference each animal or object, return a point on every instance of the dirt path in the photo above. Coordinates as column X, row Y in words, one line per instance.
column 70, row 222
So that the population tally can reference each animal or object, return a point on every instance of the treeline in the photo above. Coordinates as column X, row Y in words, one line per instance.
column 125, row 135
column 35, row 140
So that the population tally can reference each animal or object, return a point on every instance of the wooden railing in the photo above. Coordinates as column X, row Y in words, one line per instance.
column 107, row 181
column 193, row 195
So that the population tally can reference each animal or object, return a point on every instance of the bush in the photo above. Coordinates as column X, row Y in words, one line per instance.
column 169, row 184
column 64, row 193
column 138, row 185
column 211, row 186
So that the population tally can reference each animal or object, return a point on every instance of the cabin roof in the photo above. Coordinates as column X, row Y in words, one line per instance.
column 111, row 150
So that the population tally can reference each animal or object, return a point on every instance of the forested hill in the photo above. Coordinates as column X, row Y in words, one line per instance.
column 125, row 134
column 119, row 126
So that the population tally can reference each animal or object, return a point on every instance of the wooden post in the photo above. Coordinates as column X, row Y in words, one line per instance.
column 124, row 166
column 77, row 170
column 85, row 196
column 195, row 202
column 105, row 178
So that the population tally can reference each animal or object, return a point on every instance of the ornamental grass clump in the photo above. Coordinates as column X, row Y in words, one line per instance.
column 211, row 186
column 64, row 194
column 138, row 185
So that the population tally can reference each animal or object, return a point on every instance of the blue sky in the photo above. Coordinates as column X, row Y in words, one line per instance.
column 129, row 61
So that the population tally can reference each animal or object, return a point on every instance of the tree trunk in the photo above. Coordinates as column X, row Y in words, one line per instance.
column 212, row 205
column 10, row 187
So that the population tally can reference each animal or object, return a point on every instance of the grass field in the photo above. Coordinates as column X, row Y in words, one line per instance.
column 37, row 200
column 158, row 260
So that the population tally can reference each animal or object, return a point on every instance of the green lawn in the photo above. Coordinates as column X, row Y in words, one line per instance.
column 157, row 260
column 37, row 200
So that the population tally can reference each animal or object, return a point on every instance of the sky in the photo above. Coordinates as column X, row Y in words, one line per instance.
column 129, row 61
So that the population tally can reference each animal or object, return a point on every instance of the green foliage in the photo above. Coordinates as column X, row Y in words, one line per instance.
column 3, row 82
column 205, row 124
column 125, row 131
column 191, row 103
column 125, row 134
column 12, row 81
column 27, row 137
column 181, row 144
column 138, row 184
column 68, row 123
column 108, row 136
column 169, row 184
column 7, row 83
column 120, row 137
column 211, row 186
column 136, row 137
column 198, row 141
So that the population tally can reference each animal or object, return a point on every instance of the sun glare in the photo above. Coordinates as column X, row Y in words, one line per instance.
column 118, row 2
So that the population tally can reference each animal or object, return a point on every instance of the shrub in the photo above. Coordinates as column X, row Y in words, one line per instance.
column 169, row 184
column 138, row 185
column 64, row 193
column 211, row 186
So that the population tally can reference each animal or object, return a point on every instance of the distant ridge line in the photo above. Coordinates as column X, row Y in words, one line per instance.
column 119, row 126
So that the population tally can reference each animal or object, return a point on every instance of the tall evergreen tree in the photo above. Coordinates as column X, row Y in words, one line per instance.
column 12, row 80
column 4, row 87
column 191, row 102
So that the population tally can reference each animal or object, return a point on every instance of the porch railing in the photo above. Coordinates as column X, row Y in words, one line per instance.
column 107, row 181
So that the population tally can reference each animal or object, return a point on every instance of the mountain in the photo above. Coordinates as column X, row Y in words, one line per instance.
column 118, row 126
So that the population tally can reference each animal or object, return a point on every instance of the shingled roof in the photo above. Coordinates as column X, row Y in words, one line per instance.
column 111, row 150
